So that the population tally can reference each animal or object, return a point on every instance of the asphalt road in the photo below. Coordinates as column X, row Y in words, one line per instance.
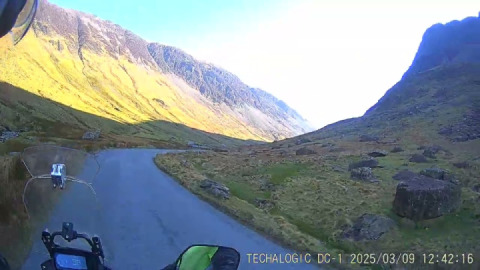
column 147, row 219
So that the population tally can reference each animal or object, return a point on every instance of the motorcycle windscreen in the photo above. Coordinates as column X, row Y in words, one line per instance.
column 48, row 208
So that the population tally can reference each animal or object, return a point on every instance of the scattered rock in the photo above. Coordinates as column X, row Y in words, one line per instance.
column 302, row 141
column 397, row 149
column 418, row 158
column 195, row 145
column 467, row 129
column 265, row 185
column 438, row 173
column 60, row 46
column 431, row 151
column 160, row 102
column 215, row 188
column 337, row 169
column 476, row 188
column 185, row 163
column 91, row 135
column 8, row 135
column 377, row 153
column 462, row 165
column 363, row 173
column 305, row 151
column 371, row 163
column 283, row 153
column 369, row 138
column 264, row 203
column 426, row 198
column 369, row 227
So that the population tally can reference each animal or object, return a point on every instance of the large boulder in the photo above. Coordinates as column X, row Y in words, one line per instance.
column 418, row 158
column 363, row 174
column 368, row 227
column 305, row 151
column 215, row 188
column 425, row 198
column 371, row 163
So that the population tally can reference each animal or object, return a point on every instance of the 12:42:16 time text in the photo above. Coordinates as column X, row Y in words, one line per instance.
column 448, row 258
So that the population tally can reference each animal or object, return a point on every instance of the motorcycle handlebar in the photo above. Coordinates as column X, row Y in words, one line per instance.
column 75, row 237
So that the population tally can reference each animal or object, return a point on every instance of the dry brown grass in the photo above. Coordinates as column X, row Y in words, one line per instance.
column 13, row 231
column 315, row 198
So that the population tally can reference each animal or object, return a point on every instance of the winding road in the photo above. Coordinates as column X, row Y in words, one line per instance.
column 148, row 219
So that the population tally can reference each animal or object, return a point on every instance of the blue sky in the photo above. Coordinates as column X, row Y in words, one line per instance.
column 328, row 59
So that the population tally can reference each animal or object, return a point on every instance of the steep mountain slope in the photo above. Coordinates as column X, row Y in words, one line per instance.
column 221, row 86
column 333, row 189
column 97, row 67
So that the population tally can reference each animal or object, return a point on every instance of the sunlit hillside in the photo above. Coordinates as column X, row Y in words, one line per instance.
column 97, row 67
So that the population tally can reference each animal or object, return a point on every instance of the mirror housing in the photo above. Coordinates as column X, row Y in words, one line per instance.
column 200, row 257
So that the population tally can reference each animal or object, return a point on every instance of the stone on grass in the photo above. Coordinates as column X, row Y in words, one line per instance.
column 369, row 227
column 91, row 135
column 431, row 151
column 8, row 135
column 397, row 149
column 426, row 198
column 462, row 165
column 264, row 203
column 215, row 188
column 377, row 153
column 418, row 158
column 363, row 174
column 371, row 163
column 438, row 173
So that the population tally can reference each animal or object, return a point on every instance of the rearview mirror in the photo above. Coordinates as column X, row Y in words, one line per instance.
column 203, row 257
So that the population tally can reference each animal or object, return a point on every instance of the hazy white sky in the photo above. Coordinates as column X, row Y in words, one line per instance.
column 328, row 59
column 331, row 60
